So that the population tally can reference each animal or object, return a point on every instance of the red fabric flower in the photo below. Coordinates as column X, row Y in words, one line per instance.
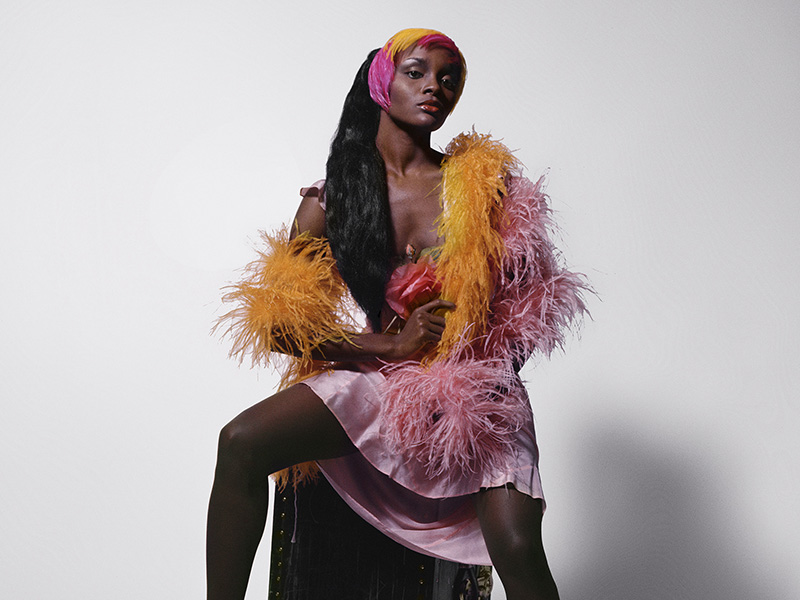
column 411, row 286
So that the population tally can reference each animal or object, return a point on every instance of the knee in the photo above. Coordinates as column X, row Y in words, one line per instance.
column 521, row 551
column 523, row 543
column 238, row 446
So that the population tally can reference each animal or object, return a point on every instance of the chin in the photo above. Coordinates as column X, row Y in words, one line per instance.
column 433, row 125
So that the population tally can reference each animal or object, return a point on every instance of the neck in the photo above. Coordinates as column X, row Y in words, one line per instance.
column 404, row 149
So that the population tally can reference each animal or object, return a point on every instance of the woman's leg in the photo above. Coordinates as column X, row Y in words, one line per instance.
column 511, row 523
column 290, row 427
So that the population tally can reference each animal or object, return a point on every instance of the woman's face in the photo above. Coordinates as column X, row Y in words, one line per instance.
column 423, row 91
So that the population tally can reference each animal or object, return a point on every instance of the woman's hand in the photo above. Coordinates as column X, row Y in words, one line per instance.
column 424, row 327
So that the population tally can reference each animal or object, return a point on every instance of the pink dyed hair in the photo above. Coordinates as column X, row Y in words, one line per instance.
column 381, row 71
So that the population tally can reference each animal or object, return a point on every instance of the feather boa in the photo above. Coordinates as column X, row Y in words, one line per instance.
column 473, row 186
column 290, row 300
column 456, row 416
column 458, row 413
column 537, row 300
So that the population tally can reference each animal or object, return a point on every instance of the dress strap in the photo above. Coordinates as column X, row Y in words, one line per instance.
column 315, row 190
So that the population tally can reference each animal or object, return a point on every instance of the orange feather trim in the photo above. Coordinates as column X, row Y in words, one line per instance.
column 290, row 300
column 473, row 187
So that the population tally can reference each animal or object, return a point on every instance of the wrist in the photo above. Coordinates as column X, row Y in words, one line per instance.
column 388, row 347
column 381, row 346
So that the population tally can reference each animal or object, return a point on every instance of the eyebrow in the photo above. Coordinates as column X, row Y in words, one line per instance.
column 453, row 66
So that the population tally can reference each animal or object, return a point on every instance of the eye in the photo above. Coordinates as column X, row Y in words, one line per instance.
column 449, row 83
column 414, row 74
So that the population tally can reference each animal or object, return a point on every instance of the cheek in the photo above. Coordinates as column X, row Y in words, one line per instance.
column 398, row 93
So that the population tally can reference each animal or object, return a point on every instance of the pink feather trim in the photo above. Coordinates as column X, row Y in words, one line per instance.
column 537, row 300
column 456, row 416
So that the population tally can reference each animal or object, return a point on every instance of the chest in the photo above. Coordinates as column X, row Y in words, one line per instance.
column 414, row 207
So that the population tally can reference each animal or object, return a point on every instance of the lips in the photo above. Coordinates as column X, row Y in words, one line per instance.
column 431, row 106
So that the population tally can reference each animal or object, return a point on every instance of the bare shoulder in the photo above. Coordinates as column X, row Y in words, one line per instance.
column 310, row 216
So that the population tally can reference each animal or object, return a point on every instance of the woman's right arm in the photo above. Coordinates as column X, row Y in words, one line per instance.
column 423, row 329
column 310, row 216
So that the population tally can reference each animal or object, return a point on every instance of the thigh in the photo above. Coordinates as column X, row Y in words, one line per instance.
column 290, row 427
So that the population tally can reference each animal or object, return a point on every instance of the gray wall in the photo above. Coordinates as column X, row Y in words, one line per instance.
column 143, row 144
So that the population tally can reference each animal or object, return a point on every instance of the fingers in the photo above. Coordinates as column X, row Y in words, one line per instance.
column 431, row 325
column 430, row 318
column 424, row 327
column 435, row 332
column 437, row 304
column 436, row 323
column 426, row 316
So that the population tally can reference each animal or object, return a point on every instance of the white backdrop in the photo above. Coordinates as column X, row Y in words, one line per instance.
column 143, row 144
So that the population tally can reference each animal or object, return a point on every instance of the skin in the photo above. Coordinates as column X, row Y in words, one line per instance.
column 295, row 425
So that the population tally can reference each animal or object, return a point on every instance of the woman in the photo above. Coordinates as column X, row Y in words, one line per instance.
column 421, row 423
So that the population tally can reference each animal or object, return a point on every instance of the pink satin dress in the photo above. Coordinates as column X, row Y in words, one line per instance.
column 434, row 516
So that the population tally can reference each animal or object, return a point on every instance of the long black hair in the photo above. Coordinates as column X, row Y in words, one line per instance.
column 357, row 221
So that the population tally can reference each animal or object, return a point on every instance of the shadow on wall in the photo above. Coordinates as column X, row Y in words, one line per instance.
column 661, row 527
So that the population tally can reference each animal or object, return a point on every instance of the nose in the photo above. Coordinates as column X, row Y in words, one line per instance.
column 432, row 85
